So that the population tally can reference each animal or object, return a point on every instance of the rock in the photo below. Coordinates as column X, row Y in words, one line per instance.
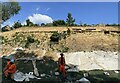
column 19, row 76
column 18, row 49
column 72, row 70
column 35, row 68
column 116, row 72
column 84, row 80
column 106, row 73
column 30, row 75
column 25, row 61
column 36, row 72
column 57, row 73
column 38, row 78
column 85, row 74
column 42, row 75
column 27, row 79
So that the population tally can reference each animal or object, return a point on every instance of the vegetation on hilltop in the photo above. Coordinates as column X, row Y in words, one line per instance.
column 9, row 10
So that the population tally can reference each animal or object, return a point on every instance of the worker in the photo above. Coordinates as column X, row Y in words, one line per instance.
column 61, row 62
column 7, row 66
column 10, row 69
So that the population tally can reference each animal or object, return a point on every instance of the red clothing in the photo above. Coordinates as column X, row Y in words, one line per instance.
column 10, row 70
column 61, row 61
column 62, row 69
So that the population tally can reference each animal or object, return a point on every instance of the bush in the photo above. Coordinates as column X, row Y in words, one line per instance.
column 65, row 49
column 30, row 39
column 17, row 25
column 55, row 37
column 2, row 39
column 42, row 24
column 68, row 31
column 49, row 24
column 59, row 23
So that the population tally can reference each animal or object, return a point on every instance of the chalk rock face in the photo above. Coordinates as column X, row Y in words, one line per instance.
column 93, row 60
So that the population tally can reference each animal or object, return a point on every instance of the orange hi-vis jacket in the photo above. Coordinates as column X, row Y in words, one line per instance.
column 12, row 69
column 62, row 65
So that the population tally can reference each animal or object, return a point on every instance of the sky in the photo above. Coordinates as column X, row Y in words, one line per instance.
column 82, row 12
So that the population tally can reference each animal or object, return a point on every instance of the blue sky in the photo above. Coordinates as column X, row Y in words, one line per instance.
column 84, row 12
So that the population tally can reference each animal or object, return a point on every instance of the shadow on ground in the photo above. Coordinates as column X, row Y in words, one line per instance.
column 48, row 67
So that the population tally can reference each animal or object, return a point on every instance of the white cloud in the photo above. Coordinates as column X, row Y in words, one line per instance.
column 24, row 23
column 37, row 9
column 47, row 9
column 40, row 18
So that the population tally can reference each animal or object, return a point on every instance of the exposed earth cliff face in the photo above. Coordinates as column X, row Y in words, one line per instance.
column 80, row 39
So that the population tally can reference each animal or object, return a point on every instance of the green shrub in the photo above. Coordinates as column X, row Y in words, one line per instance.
column 30, row 39
column 1, row 39
column 68, row 31
column 59, row 23
column 17, row 25
column 65, row 49
column 55, row 37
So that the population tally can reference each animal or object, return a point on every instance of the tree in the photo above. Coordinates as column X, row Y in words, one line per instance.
column 6, row 28
column 49, row 24
column 84, row 25
column 59, row 23
column 35, row 25
column 29, row 23
column 42, row 24
column 9, row 9
column 17, row 25
column 70, row 21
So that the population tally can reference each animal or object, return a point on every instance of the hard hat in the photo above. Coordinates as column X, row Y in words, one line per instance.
column 12, row 60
